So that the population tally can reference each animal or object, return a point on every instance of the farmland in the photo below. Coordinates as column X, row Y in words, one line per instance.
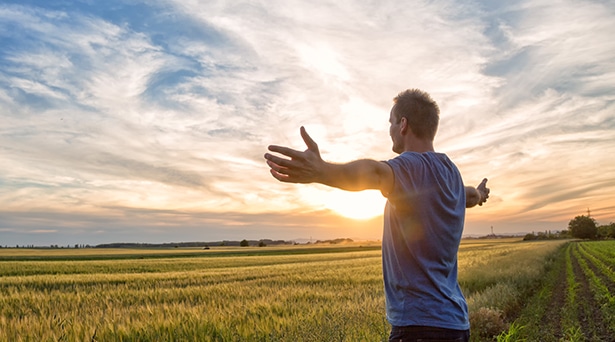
column 577, row 300
column 220, row 295
column 298, row 293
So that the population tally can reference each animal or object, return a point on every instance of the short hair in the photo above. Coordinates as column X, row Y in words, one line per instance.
column 421, row 111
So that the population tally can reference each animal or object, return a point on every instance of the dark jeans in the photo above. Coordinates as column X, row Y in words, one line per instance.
column 431, row 334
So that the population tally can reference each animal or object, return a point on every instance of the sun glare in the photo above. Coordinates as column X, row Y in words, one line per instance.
column 356, row 205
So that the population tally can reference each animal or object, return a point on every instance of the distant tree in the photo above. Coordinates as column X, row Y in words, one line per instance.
column 244, row 243
column 262, row 244
column 606, row 231
column 529, row 237
column 602, row 232
column 583, row 227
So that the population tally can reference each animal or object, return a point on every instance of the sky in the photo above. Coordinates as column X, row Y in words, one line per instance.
column 147, row 121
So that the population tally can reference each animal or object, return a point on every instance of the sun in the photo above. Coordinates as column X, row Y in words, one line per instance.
column 360, row 205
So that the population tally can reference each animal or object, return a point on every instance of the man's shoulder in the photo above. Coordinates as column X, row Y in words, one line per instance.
column 422, row 156
column 404, row 159
column 426, row 164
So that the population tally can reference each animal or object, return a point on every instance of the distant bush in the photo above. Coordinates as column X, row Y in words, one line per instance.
column 504, row 296
column 336, row 241
column 487, row 323
column 606, row 231
column 546, row 235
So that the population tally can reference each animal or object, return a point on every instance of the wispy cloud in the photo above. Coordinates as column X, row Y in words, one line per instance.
column 166, row 109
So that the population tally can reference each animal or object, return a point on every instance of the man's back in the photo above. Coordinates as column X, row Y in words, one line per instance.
column 423, row 224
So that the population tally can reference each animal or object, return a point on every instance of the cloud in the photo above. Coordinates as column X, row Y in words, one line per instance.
column 121, row 224
column 126, row 108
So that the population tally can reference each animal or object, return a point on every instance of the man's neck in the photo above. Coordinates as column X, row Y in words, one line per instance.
column 419, row 146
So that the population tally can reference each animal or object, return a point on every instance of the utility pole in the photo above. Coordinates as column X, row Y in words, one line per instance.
column 588, row 212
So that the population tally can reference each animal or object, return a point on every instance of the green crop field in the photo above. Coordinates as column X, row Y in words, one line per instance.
column 291, row 293
column 577, row 298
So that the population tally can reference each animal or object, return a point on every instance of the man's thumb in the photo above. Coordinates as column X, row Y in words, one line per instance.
column 311, row 144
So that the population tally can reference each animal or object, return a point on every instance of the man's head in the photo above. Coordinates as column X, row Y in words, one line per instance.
column 420, row 111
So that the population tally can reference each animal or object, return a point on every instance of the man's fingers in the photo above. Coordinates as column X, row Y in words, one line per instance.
column 275, row 167
column 285, row 175
column 309, row 142
column 278, row 161
column 289, row 152
column 283, row 167
column 483, row 190
column 279, row 176
column 483, row 187
column 279, row 172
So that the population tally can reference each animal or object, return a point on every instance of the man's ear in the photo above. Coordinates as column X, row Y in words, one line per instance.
column 404, row 125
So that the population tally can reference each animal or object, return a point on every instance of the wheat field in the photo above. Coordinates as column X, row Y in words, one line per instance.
column 293, row 293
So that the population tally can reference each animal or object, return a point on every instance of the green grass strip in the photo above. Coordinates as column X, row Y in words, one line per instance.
column 528, row 326
column 570, row 325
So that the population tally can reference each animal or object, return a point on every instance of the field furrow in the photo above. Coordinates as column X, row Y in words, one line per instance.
column 601, row 267
column 575, row 301
column 604, row 300
column 590, row 316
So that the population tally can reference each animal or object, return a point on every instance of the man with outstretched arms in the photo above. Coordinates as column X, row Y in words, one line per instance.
column 423, row 218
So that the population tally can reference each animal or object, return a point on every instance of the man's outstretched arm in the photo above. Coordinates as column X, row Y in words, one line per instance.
column 308, row 167
column 477, row 195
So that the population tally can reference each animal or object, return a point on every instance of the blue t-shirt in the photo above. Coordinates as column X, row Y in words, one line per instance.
column 423, row 223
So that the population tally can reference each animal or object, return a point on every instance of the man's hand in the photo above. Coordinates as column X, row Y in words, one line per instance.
column 302, row 167
column 477, row 195
column 483, row 191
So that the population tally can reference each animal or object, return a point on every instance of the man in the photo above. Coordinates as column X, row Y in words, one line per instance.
column 423, row 218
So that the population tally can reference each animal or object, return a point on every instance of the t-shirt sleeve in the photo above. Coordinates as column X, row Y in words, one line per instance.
column 402, row 167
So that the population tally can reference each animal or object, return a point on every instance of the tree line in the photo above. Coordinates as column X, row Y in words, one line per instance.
column 585, row 227
column 580, row 227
